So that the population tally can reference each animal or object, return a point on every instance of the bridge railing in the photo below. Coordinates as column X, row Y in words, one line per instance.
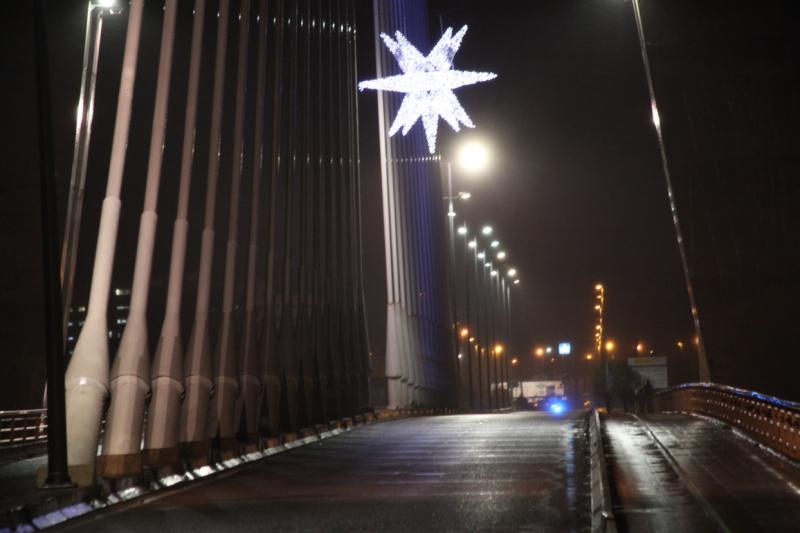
column 771, row 421
column 20, row 427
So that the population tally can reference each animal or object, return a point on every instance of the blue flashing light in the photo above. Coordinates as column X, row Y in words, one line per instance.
column 556, row 408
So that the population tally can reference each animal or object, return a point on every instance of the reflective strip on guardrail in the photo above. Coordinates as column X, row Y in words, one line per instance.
column 22, row 427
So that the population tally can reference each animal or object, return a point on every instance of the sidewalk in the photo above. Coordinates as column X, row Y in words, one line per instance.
column 677, row 472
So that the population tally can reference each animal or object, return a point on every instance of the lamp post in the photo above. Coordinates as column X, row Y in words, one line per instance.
column 599, row 307
column 451, row 282
column 80, row 153
column 465, row 332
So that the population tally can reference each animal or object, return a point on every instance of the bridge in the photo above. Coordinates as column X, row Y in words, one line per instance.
column 711, row 458
column 226, row 349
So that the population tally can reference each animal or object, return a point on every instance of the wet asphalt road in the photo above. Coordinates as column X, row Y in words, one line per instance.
column 674, row 472
column 514, row 472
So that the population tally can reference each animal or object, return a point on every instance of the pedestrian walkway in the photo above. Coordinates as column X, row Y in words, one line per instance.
column 674, row 472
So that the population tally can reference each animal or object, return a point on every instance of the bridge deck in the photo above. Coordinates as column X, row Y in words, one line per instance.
column 516, row 471
column 674, row 472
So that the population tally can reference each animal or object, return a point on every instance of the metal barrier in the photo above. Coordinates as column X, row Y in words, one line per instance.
column 602, row 512
column 22, row 427
column 773, row 422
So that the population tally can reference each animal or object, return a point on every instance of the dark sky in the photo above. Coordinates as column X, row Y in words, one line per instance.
column 575, row 192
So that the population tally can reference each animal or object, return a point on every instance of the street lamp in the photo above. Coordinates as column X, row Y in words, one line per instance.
column 486, row 230
column 610, row 346
column 473, row 156
column 501, row 255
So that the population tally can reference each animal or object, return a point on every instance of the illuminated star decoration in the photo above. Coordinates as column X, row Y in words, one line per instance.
column 428, row 83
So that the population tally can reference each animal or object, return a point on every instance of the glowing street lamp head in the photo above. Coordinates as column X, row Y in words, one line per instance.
column 640, row 347
column 598, row 287
column 494, row 272
column 486, row 230
column 464, row 333
column 539, row 352
column 481, row 255
column 473, row 156
column 494, row 244
column 501, row 255
column 512, row 272
column 610, row 346
column 473, row 243
column 462, row 230
column 516, row 282
column 463, row 195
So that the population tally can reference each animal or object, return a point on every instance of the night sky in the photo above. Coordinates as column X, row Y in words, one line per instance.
column 576, row 191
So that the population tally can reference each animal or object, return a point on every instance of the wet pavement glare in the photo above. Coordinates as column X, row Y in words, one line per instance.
column 509, row 472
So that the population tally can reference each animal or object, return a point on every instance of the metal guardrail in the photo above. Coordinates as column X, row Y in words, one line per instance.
column 602, row 512
column 770, row 421
column 22, row 427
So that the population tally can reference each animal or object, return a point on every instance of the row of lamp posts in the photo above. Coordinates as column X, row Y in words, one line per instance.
column 481, row 324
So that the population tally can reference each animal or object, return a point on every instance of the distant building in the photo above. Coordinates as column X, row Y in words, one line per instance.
column 118, row 308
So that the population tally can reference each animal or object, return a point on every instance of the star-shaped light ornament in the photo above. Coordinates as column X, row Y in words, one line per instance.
column 428, row 83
